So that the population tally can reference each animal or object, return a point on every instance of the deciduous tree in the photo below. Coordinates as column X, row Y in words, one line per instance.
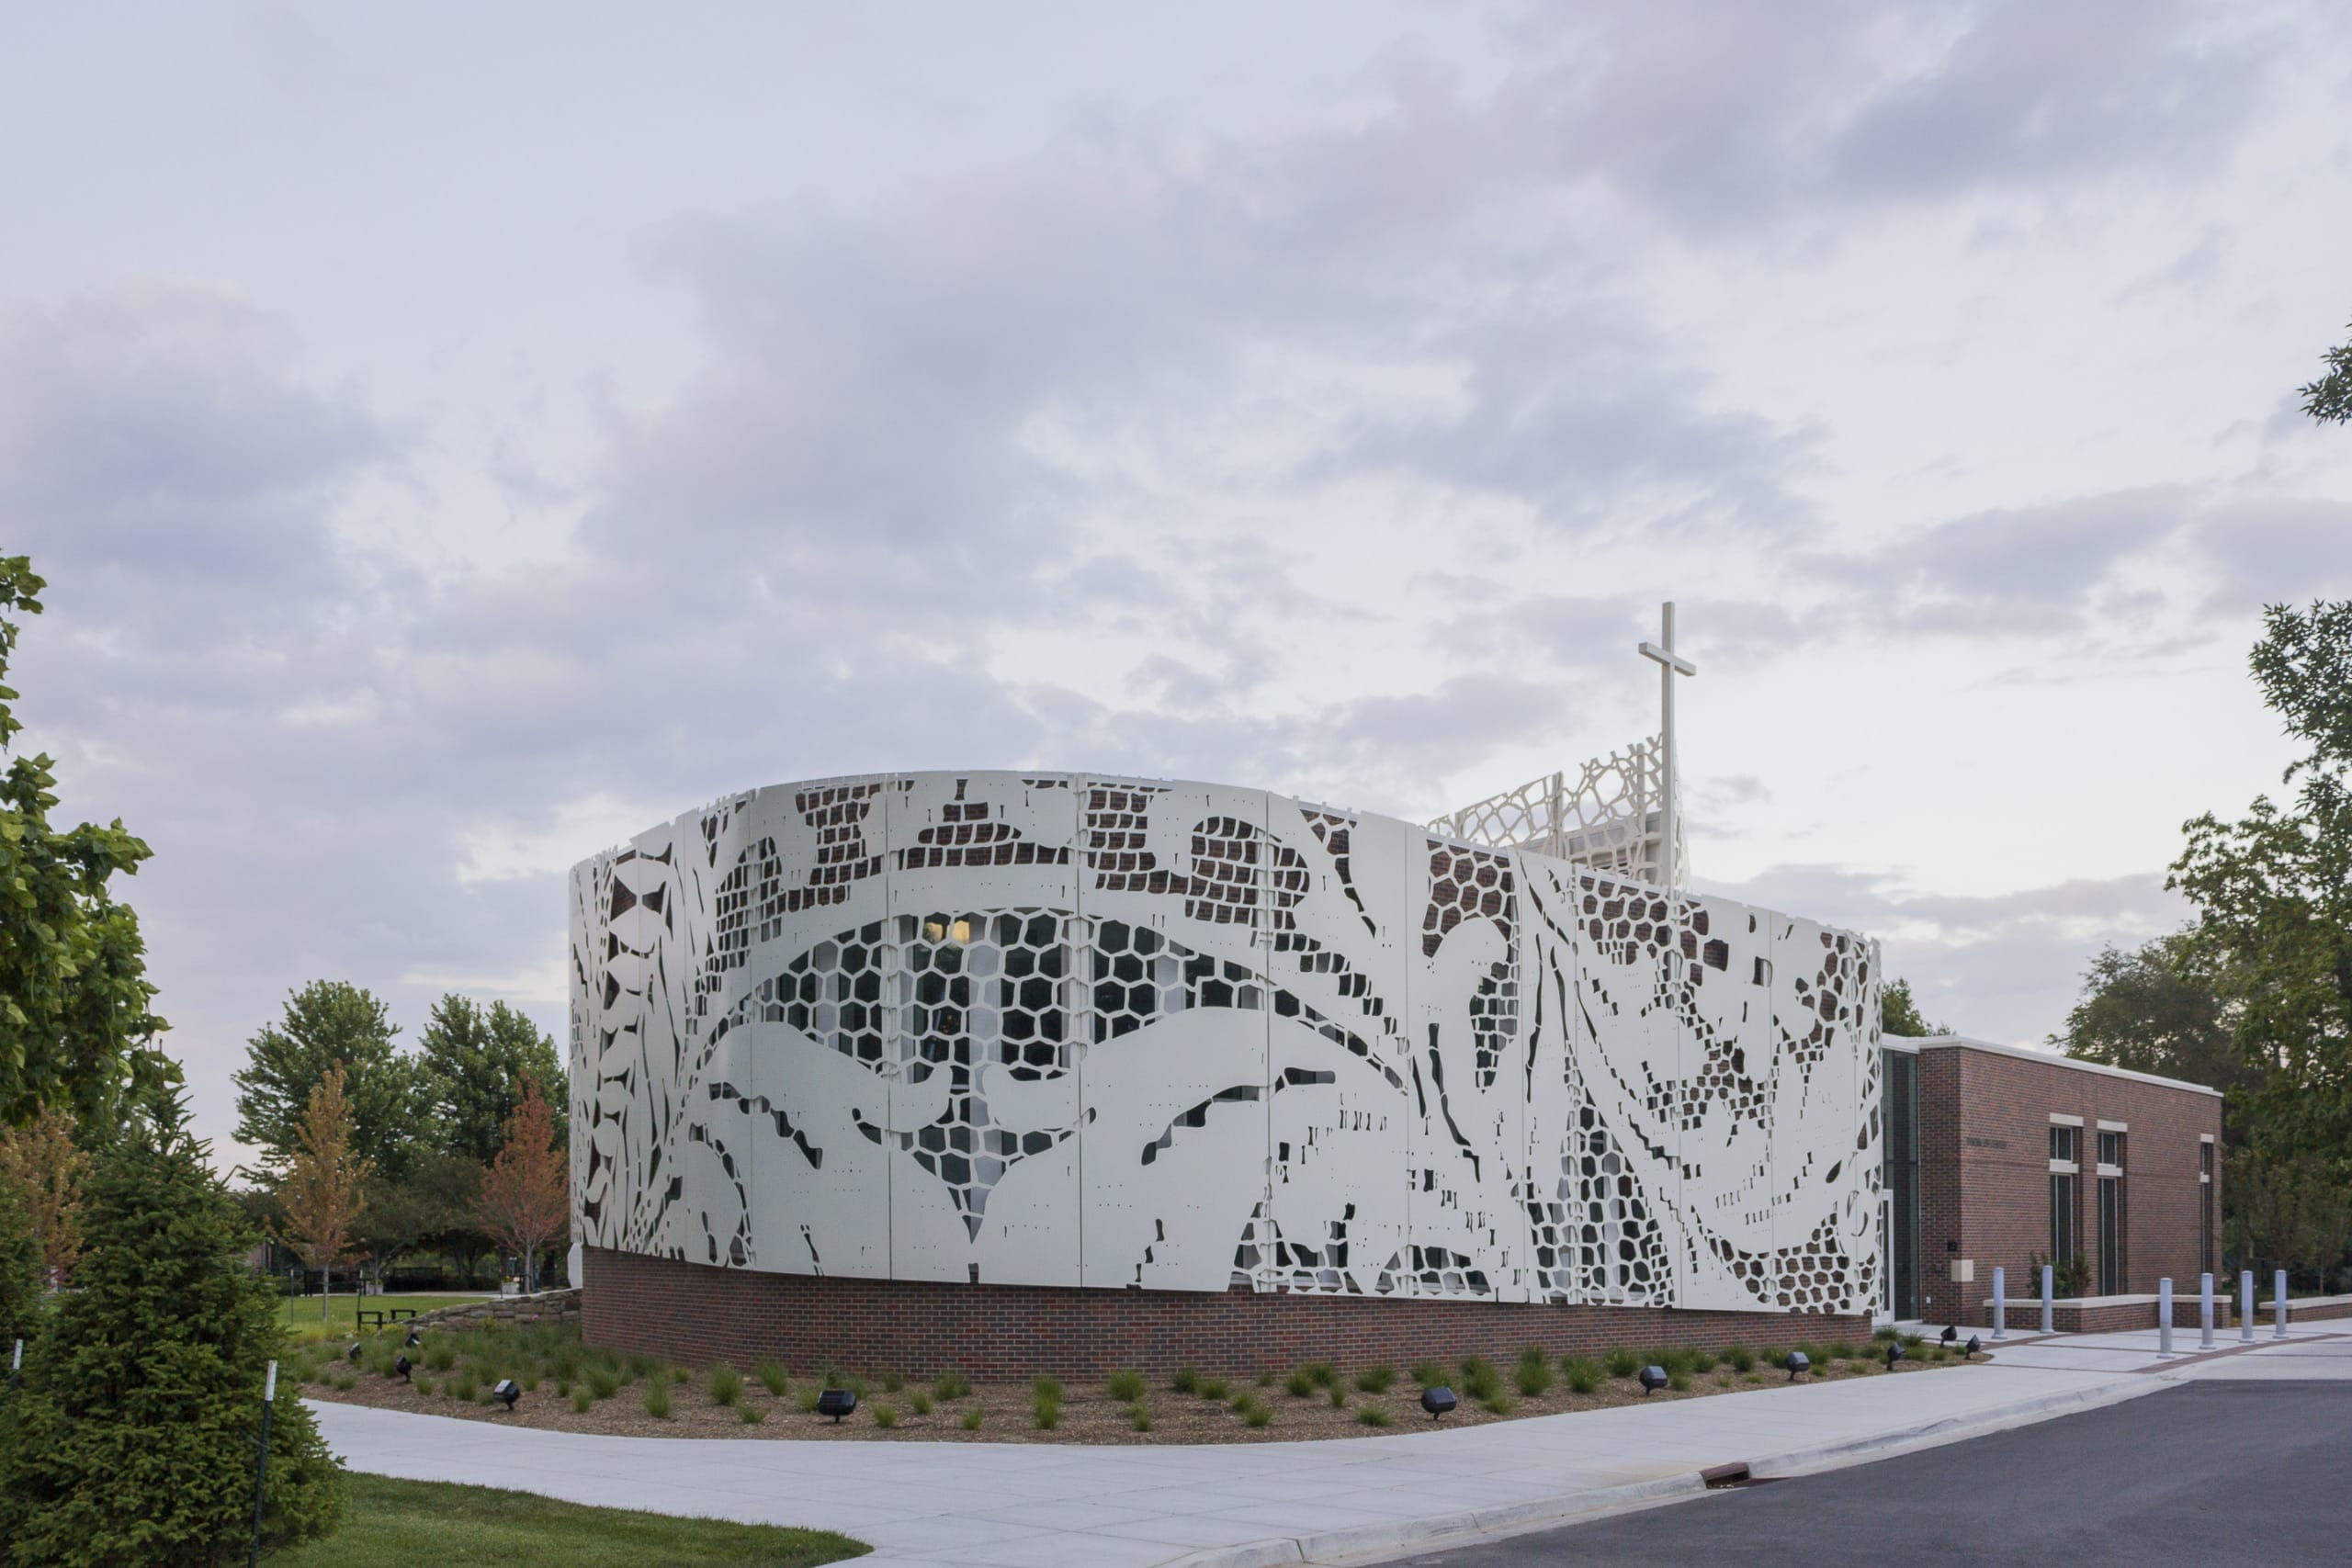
column 472, row 1061
column 131, row 1439
column 2329, row 399
column 43, row 1163
column 325, row 1023
column 323, row 1189
column 76, row 1029
column 1898, row 1013
column 525, row 1193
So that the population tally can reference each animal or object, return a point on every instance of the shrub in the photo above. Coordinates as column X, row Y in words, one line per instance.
column 1376, row 1379
column 1211, row 1388
column 951, row 1385
column 1429, row 1374
column 582, row 1401
column 1533, row 1373
column 1912, row 1342
column 772, row 1378
column 1126, row 1387
column 1886, row 1333
column 1259, row 1415
column 1623, row 1363
column 919, row 1402
column 1185, row 1381
column 1373, row 1416
column 751, row 1415
column 657, row 1398
column 885, row 1416
column 973, row 1417
column 1742, row 1360
column 1584, row 1375
column 726, row 1384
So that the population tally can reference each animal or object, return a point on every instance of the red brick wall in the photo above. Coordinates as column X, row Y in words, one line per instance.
column 697, row 1314
column 1985, row 1175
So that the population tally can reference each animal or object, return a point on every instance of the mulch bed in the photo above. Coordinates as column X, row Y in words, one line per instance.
column 1089, row 1415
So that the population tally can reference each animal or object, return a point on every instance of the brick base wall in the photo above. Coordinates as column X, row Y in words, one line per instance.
column 697, row 1314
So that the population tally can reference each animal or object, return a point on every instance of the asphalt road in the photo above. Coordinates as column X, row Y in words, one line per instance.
column 2210, row 1472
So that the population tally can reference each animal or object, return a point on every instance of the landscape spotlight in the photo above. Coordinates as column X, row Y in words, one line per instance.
column 1798, row 1363
column 353, row 1352
column 1974, row 1344
column 1653, row 1379
column 413, row 1339
column 837, row 1403
column 1437, row 1401
column 403, row 1366
column 1950, row 1334
column 506, row 1392
column 1893, row 1353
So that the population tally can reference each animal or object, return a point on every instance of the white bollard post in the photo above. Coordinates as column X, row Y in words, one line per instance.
column 2278, row 1303
column 2163, row 1317
column 2000, row 1303
column 2049, row 1275
column 2246, row 1306
column 2205, row 1312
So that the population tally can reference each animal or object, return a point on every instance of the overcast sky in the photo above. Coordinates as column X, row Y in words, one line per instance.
column 458, row 438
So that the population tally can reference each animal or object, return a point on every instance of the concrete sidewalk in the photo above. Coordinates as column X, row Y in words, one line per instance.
column 1040, row 1506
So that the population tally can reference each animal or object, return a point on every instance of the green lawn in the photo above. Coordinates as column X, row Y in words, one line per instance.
column 301, row 1314
column 400, row 1524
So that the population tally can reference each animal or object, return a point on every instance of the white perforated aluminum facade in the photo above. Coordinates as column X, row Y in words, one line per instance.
column 1066, row 1029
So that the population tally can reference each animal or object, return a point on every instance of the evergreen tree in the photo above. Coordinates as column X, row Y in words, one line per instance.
column 132, row 1440
column 327, row 1022
column 472, row 1061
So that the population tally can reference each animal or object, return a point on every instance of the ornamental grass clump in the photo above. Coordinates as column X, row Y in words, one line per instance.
column 919, row 1402
column 726, row 1384
column 1300, row 1384
column 603, row 1382
column 951, row 1385
column 1185, row 1381
column 1623, row 1363
column 972, row 1418
column 1212, row 1388
column 1257, row 1415
column 1480, row 1379
column 885, row 1416
column 772, row 1377
column 1125, row 1387
column 1533, row 1373
column 581, row 1402
column 752, row 1413
column 1430, row 1374
column 1337, row 1395
column 1583, row 1374
column 807, row 1399
column 1742, row 1360
column 1141, row 1417
column 1373, row 1416
column 1376, row 1379
column 657, row 1398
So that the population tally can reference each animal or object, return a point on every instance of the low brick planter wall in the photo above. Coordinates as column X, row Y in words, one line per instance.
column 2108, row 1315
column 694, row 1313
column 547, row 1306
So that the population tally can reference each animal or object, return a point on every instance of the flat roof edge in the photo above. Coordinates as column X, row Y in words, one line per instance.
column 2048, row 1058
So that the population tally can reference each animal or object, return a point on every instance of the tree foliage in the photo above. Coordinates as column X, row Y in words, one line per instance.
column 44, row 1166
column 21, row 1282
column 132, row 1441
column 2329, row 399
column 2159, row 1008
column 327, row 1023
column 1898, row 1013
column 525, row 1193
column 322, row 1191
column 76, row 1029
column 471, row 1062
column 2274, row 894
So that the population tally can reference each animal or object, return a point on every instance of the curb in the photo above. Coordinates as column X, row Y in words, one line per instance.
column 1368, row 1544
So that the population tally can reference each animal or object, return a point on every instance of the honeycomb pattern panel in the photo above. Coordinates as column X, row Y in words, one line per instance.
column 1072, row 1029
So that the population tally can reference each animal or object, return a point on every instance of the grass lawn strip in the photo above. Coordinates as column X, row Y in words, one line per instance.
column 301, row 1314
column 400, row 1524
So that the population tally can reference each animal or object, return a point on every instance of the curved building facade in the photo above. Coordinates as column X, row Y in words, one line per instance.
column 928, row 1065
